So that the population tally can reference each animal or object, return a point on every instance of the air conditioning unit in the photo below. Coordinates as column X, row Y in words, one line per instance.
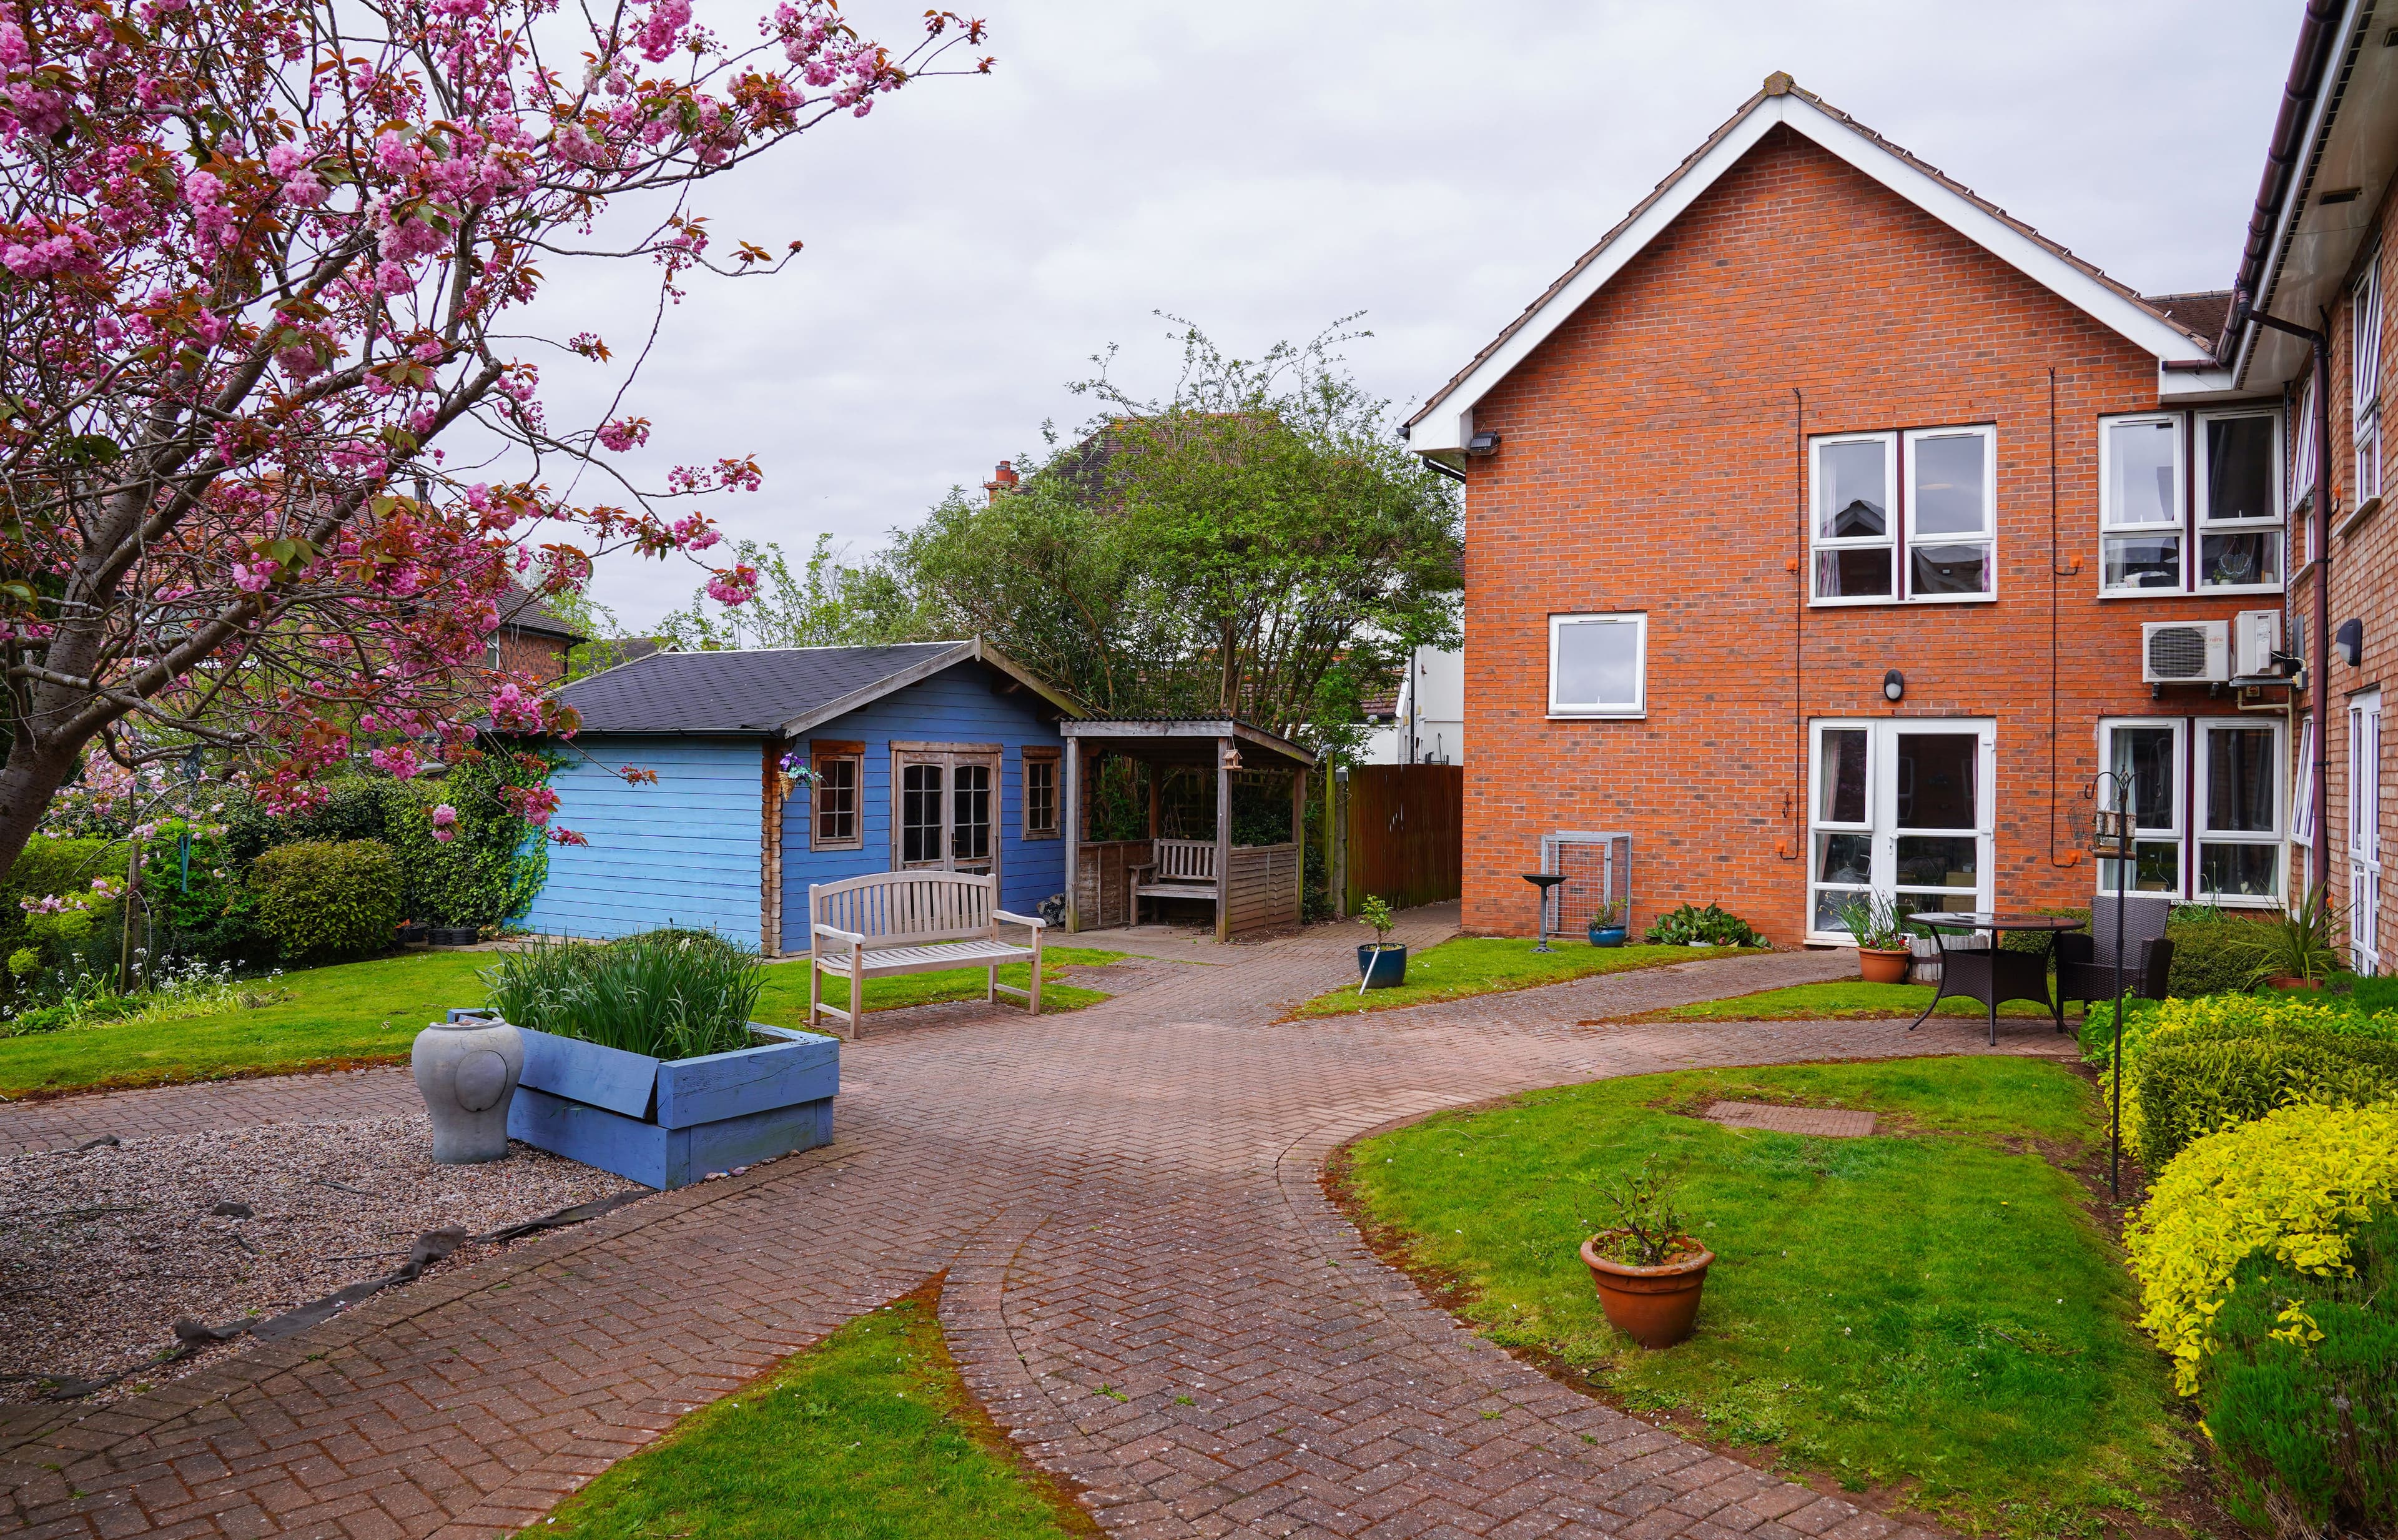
column 2255, row 638
column 2175, row 652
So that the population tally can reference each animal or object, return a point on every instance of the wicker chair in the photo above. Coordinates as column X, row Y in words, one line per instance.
column 2085, row 965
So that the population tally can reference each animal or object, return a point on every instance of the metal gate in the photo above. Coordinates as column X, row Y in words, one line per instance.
column 1598, row 869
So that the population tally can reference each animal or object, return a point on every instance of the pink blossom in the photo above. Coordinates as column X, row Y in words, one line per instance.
column 253, row 576
column 444, row 820
column 624, row 433
column 735, row 588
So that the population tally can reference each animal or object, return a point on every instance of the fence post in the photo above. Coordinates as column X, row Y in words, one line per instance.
column 1335, row 834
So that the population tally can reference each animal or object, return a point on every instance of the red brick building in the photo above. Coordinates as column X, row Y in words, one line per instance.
column 533, row 639
column 1815, row 521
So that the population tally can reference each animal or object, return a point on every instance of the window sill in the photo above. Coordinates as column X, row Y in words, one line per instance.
column 2364, row 510
column 1901, row 603
column 2218, row 590
column 1599, row 716
column 1044, row 834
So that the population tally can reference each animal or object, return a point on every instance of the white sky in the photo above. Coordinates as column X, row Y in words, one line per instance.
column 1266, row 167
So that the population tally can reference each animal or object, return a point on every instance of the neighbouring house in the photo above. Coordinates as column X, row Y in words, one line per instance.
column 779, row 768
column 2322, row 254
column 532, row 638
column 1829, row 529
column 1422, row 720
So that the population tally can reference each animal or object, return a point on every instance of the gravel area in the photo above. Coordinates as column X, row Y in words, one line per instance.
column 104, row 1249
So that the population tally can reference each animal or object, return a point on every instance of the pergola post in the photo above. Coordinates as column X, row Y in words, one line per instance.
column 1223, row 839
column 1298, row 846
column 1074, row 833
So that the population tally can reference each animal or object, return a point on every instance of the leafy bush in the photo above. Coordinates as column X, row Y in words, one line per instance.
column 667, row 993
column 1711, row 925
column 2213, row 953
column 2301, row 1395
column 328, row 897
column 61, row 867
column 2192, row 1083
column 2294, row 1185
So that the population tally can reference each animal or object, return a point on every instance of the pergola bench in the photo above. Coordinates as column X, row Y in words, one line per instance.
column 894, row 923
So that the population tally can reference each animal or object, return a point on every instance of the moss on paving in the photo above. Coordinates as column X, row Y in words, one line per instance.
column 1467, row 965
column 870, row 1435
column 1931, row 1309
column 369, row 1013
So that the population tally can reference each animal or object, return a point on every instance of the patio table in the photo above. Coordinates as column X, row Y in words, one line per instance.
column 1994, row 975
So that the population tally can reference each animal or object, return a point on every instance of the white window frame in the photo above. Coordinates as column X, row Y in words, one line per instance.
column 1882, row 808
column 2276, row 524
column 1988, row 538
column 1579, row 710
column 2201, row 836
column 2176, row 832
column 2364, row 371
column 1887, row 540
column 2109, row 527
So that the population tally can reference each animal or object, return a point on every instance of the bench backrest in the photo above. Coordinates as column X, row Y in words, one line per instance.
column 1186, row 860
column 898, row 909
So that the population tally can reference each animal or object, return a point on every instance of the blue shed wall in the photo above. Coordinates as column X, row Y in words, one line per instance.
column 957, row 706
column 684, row 851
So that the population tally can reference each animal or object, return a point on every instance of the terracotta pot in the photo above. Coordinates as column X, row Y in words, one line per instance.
column 1654, row 1307
column 2288, row 980
column 1883, row 964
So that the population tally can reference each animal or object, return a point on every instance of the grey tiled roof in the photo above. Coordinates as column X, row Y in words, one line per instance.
column 740, row 692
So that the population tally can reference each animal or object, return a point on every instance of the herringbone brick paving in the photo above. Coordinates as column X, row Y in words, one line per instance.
column 1124, row 1197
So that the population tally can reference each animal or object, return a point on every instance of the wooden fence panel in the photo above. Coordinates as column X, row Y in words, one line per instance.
column 1263, row 890
column 1406, row 834
column 1103, row 881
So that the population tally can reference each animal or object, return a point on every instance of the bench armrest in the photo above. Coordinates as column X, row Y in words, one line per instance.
column 1005, row 918
column 833, row 934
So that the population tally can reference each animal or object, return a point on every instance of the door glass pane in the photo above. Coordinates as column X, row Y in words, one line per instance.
column 1828, row 906
column 1936, row 780
column 1947, row 902
column 1944, row 860
column 2241, row 785
column 1844, row 859
column 970, row 821
column 2240, row 469
column 2145, row 754
column 1950, row 498
column 1853, row 497
column 1950, row 569
column 920, row 813
column 1598, row 663
column 1843, row 751
column 2240, row 870
column 2140, row 460
column 1861, row 571
column 2142, row 562
column 2254, row 556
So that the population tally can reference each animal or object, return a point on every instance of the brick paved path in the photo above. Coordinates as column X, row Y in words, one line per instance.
column 1122, row 1196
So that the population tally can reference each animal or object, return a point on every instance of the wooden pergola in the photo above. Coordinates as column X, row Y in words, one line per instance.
column 1252, row 886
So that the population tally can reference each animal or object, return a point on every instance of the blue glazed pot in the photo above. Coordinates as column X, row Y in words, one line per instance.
column 1382, row 967
column 1607, row 936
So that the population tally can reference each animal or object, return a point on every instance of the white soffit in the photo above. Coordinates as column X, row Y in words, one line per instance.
column 1448, row 421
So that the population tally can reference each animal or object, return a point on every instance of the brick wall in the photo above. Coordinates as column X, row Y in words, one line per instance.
column 525, row 651
column 1652, row 459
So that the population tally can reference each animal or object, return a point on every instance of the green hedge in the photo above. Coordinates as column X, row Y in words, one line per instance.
column 2213, row 953
column 2300, row 1395
column 2204, row 1076
column 61, row 867
column 328, row 899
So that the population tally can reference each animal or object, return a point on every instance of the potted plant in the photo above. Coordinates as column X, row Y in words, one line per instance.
column 1883, row 948
column 1607, row 927
column 2302, row 948
column 1382, row 963
column 1649, row 1270
column 641, row 1057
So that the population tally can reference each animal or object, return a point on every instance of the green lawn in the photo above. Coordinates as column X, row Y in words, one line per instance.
column 1931, row 1307
column 369, row 1013
column 868, row 1436
column 1466, row 966
column 1848, row 997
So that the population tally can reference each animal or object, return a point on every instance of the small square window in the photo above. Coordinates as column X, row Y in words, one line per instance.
column 833, row 812
column 1597, row 665
column 1041, row 793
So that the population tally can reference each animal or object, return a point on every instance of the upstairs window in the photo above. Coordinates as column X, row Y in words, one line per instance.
column 1903, row 517
column 2163, row 530
column 2364, row 365
column 1598, row 665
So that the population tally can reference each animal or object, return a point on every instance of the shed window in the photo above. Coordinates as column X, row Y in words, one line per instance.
column 1041, row 793
column 833, row 823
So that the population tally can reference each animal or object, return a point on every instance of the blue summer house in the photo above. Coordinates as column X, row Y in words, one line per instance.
column 785, row 767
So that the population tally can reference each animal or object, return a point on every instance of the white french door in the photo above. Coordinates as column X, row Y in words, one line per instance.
column 1902, row 809
column 2365, row 833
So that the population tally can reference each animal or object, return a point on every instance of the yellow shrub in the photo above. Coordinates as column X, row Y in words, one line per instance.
column 2295, row 1183
column 2177, row 1019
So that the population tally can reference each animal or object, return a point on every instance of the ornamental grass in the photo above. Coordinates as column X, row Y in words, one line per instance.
column 667, row 993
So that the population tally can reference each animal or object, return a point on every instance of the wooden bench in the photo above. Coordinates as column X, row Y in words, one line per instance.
column 1183, row 869
column 893, row 922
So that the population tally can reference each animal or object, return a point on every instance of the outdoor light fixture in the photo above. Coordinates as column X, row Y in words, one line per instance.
column 1482, row 443
column 1893, row 686
column 2349, row 641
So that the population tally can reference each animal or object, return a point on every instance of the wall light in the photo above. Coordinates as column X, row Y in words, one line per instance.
column 1893, row 686
column 2349, row 641
column 1482, row 443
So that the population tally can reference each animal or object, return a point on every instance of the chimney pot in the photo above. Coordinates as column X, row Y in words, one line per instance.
column 1001, row 480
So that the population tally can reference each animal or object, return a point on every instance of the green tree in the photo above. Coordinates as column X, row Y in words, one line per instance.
column 828, row 602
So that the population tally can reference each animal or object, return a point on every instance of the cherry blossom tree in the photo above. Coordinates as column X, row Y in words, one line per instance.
column 271, row 452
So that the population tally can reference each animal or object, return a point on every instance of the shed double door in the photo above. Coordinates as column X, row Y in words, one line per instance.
column 944, row 807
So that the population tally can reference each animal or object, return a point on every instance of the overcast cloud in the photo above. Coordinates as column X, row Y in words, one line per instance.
column 1265, row 168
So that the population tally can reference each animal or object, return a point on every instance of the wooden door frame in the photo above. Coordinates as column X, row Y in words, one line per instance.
column 905, row 752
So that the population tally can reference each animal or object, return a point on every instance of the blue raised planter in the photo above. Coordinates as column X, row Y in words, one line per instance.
column 671, row 1122
column 1384, row 968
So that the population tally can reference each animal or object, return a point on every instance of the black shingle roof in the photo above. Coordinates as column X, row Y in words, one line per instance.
column 741, row 692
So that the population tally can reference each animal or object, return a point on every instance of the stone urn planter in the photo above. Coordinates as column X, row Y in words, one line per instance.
column 1654, row 1307
column 467, row 1071
column 671, row 1122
